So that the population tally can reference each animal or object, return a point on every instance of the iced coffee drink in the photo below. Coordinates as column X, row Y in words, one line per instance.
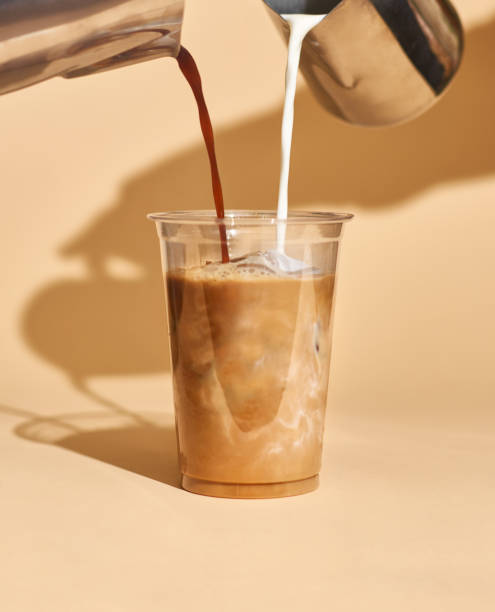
column 250, row 348
column 250, row 342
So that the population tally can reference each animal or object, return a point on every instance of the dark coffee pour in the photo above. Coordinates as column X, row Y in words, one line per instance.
column 191, row 72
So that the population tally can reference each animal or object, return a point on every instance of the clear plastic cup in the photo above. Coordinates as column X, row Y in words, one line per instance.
column 250, row 343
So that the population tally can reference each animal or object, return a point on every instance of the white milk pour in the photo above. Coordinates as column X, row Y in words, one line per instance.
column 300, row 25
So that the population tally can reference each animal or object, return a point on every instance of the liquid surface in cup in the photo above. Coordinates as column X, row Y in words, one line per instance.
column 250, row 346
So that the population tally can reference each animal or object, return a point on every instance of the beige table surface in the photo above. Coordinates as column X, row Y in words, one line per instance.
column 91, row 515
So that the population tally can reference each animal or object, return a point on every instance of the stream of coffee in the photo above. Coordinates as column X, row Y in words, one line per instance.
column 190, row 70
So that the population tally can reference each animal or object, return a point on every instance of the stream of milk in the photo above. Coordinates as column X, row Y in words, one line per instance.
column 300, row 25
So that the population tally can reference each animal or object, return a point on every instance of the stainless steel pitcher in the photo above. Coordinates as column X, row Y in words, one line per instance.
column 377, row 62
column 40, row 39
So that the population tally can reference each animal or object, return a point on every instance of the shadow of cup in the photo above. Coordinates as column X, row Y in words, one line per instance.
column 145, row 444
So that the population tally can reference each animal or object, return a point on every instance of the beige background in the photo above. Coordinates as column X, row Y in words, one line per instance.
column 91, row 516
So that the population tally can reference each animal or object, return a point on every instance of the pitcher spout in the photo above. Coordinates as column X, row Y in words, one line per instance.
column 377, row 62
column 40, row 39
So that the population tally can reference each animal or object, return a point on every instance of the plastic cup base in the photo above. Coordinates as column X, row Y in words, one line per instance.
column 250, row 491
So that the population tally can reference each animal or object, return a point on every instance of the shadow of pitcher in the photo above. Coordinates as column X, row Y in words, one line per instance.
column 106, row 324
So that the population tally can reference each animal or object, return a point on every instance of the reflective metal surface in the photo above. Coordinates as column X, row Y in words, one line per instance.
column 377, row 62
column 40, row 39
